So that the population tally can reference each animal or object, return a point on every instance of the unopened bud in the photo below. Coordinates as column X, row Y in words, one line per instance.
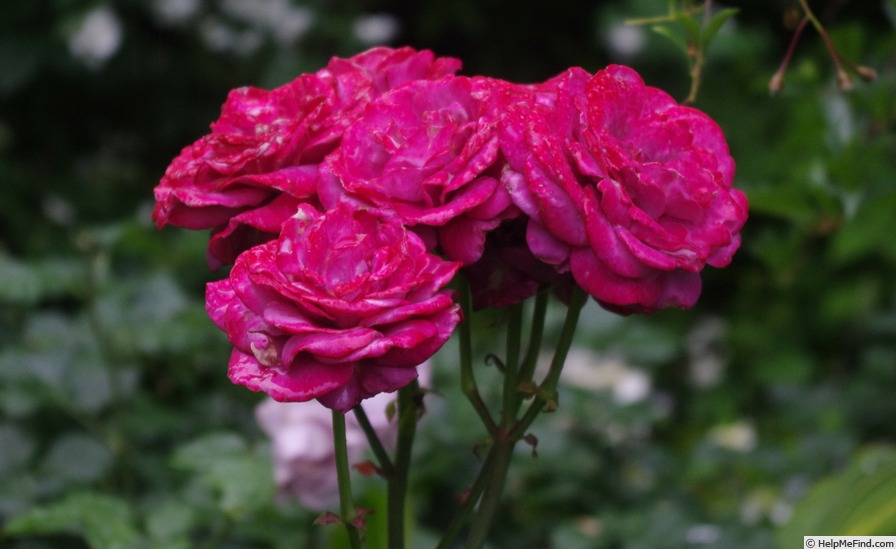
column 776, row 83
column 867, row 74
column 844, row 82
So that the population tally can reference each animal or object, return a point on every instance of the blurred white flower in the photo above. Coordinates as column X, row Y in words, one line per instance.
column 626, row 41
column 706, row 362
column 739, row 436
column 97, row 38
column 173, row 12
column 285, row 21
column 376, row 29
column 703, row 534
column 220, row 37
column 588, row 370
column 304, row 458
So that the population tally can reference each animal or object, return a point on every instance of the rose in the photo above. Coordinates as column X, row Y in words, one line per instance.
column 427, row 152
column 342, row 306
column 261, row 158
column 628, row 190
column 301, row 433
column 509, row 273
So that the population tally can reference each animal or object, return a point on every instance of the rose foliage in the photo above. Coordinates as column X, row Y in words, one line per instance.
column 348, row 199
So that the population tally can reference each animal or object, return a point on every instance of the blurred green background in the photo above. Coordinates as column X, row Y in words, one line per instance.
column 764, row 414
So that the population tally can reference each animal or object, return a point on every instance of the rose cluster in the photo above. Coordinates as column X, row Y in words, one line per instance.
column 348, row 199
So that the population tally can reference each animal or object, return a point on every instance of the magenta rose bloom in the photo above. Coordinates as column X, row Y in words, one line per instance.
column 427, row 152
column 341, row 307
column 261, row 158
column 625, row 188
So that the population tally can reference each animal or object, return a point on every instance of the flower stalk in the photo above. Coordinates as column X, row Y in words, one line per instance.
column 347, row 511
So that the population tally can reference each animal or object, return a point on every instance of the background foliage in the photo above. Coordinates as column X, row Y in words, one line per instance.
column 763, row 414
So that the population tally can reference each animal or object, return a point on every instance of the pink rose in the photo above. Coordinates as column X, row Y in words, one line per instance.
column 246, row 177
column 427, row 152
column 301, row 435
column 628, row 190
column 386, row 68
column 341, row 307
column 508, row 272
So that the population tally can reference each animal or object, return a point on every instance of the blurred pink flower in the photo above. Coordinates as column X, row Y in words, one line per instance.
column 626, row 189
column 341, row 307
column 427, row 152
column 246, row 177
column 302, row 443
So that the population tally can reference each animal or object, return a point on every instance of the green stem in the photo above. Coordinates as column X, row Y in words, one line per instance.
column 347, row 510
column 495, row 477
column 512, row 397
column 398, row 481
column 547, row 391
column 466, row 508
column 536, row 333
column 467, row 380
column 382, row 457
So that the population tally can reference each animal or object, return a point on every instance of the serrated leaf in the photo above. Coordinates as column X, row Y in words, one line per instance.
column 105, row 522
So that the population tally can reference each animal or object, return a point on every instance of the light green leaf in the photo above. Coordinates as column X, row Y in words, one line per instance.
column 857, row 501
column 105, row 522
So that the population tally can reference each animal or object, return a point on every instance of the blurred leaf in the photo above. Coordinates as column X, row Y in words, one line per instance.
column 17, row 448
column 27, row 282
column 856, row 502
column 76, row 458
column 169, row 522
column 242, row 480
column 105, row 522
column 869, row 234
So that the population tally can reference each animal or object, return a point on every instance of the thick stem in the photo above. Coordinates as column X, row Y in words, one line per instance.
column 512, row 397
column 347, row 510
column 499, row 464
column 462, row 514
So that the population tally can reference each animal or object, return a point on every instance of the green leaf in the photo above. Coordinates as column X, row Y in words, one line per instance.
column 673, row 35
column 715, row 23
column 105, row 522
column 857, row 501
column 691, row 27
